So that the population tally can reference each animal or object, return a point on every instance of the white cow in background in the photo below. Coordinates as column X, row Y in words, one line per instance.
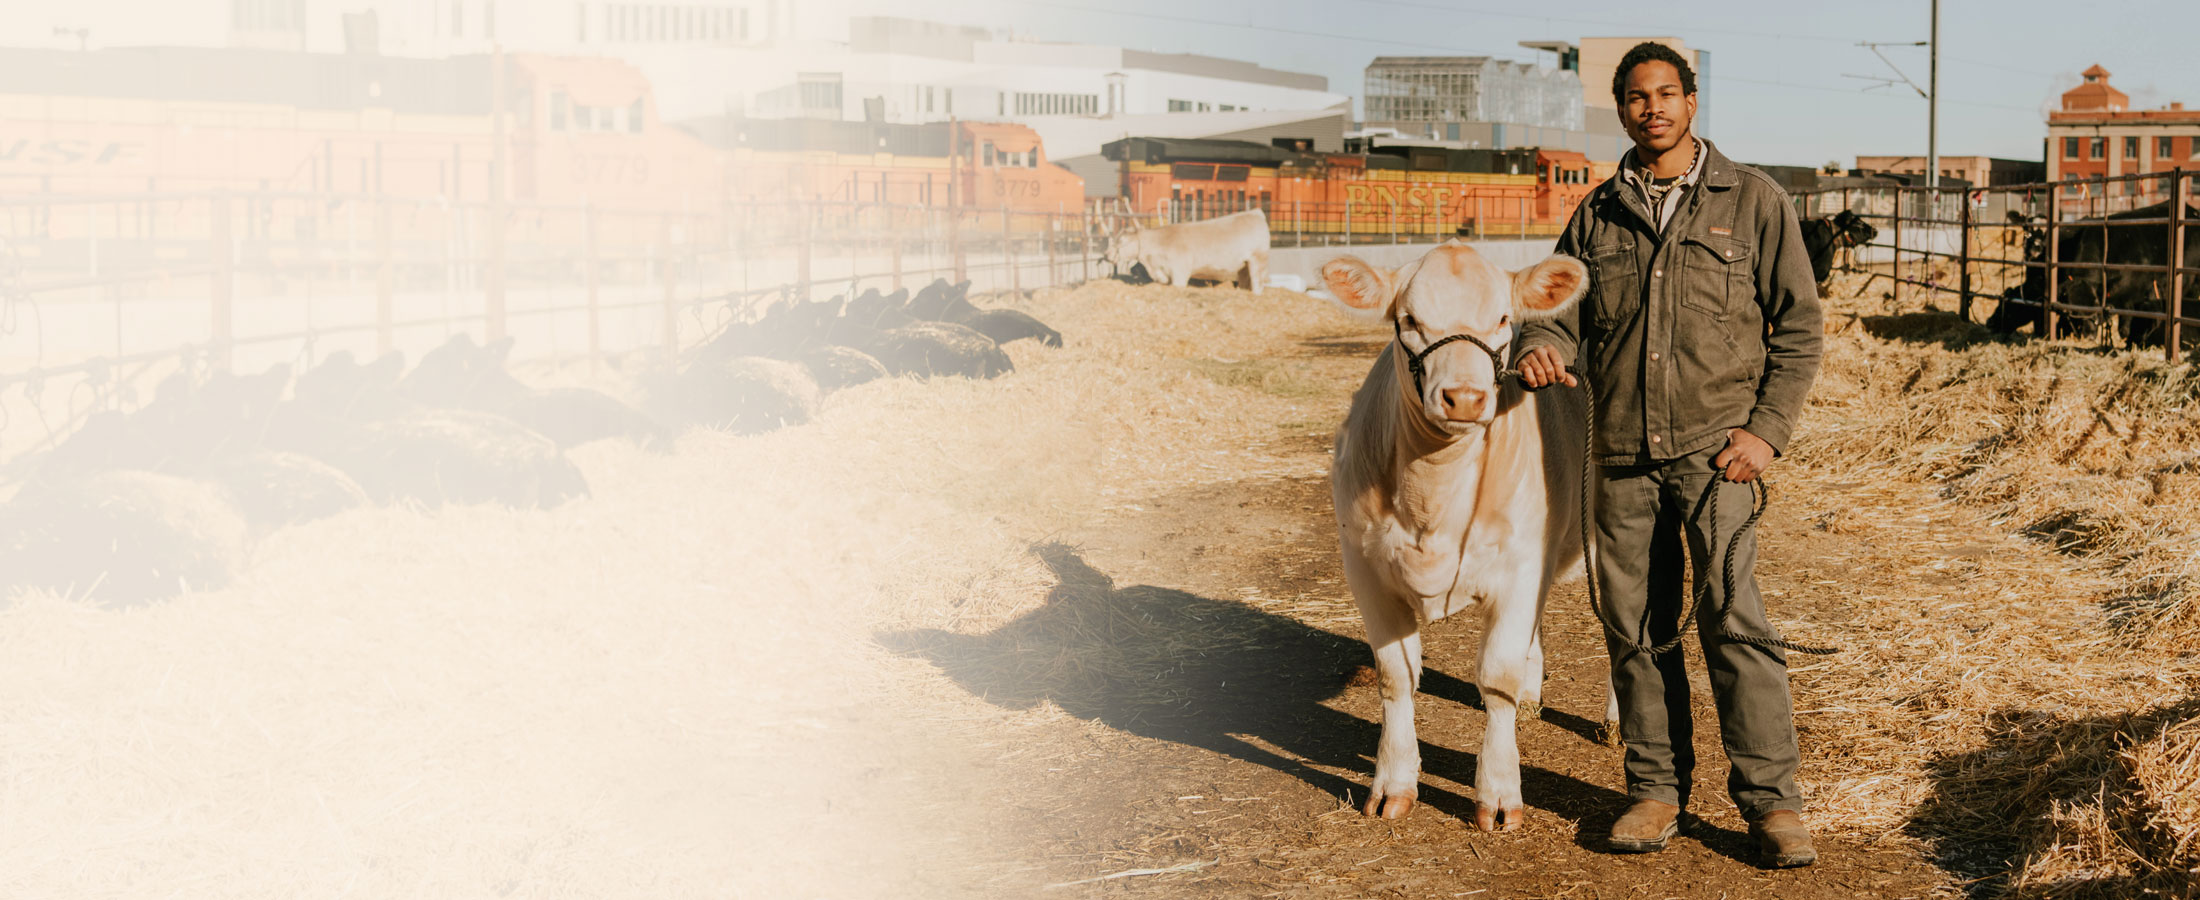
column 1230, row 248
column 1456, row 491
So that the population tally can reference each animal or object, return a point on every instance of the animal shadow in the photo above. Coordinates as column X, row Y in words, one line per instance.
column 1947, row 329
column 1213, row 674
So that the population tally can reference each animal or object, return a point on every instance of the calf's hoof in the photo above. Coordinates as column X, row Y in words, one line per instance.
column 1490, row 818
column 1531, row 710
column 1393, row 806
column 1608, row 734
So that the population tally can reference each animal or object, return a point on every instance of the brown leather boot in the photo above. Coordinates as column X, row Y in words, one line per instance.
column 1645, row 827
column 1783, row 839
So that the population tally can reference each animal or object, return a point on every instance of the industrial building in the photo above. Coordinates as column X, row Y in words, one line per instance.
column 1483, row 102
column 1974, row 171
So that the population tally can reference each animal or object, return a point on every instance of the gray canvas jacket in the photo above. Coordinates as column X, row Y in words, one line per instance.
column 1710, row 325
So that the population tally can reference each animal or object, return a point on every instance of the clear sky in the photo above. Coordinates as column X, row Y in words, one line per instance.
column 1777, row 67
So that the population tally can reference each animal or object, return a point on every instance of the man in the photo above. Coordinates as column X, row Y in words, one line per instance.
column 1701, row 337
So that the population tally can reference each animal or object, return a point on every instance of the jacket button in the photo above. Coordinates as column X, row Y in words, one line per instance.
column 1653, row 357
column 1657, row 273
column 1653, row 439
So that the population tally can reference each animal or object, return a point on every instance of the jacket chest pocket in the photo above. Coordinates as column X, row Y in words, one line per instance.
column 1617, row 283
column 1722, row 274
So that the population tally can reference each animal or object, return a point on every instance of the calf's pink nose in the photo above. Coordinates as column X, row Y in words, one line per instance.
column 1463, row 404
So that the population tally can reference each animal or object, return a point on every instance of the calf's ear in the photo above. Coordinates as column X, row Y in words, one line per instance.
column 1547, row 288
column 1365, row 291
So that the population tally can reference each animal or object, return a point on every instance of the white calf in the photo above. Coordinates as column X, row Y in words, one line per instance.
column 1454, row 490
column 1227, row 248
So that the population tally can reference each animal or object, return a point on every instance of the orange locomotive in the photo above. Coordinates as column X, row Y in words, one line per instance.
column 170, row 119
column 296, row 137
column 301, row 149
column 1395, row 189
column 874, row 173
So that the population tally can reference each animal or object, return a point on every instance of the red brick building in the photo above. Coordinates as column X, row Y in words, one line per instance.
column 2096, row 133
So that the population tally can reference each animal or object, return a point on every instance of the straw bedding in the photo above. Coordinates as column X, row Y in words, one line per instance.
column 674, row 686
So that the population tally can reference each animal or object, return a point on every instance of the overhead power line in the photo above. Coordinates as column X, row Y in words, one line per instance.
column 1472, row 51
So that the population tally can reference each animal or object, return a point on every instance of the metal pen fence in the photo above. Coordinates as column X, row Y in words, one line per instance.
column 99, row 296
column 1991, row 234
column 1296, row 223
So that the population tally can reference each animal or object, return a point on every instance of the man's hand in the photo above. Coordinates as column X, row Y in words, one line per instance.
column 1745, row 457
column 1541, row 366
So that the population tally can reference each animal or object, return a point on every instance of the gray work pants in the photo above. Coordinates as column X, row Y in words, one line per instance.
column 1642, row 513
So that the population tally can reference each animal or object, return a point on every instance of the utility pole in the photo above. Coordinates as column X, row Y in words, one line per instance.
column 1932, row 108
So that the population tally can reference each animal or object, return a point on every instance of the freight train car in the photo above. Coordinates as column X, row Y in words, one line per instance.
column 175, row 119
column 859, row 171
column 113, row 159
column 1405, row 190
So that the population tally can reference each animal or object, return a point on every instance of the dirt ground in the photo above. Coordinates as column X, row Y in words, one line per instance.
column 1249, row 767
column 1078, row 631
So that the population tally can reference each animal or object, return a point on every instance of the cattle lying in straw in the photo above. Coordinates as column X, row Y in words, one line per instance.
column 1456, row 491
column 137, row 506
column 942, row 302
column 1232, row 248
column 462, row 374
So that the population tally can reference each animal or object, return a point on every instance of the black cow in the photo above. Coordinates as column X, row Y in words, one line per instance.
column 1823, row 236
column 436, row 456
column 743, row 394
column 1136, row 276
column 820, row 336
column 2097, row 241
column 942, row 302
column 464, row 375
column 120, row 537
column 884, row 327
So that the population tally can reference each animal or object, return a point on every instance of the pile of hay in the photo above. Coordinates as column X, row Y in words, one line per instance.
column 2063, row 727
column 2096, row 454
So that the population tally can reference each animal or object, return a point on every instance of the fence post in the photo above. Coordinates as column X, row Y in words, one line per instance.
column 893, row 238
column 2173, row 335
column 1298, row 230
column 1348, row 223
column 224, row 257
column 385, row 280
column 592, row 277
column 954, row 243
column 670, row 276
column 1054, row 235
column 2051, row 317
column 1963, row 259
column 1897, row 261
column 802, row 236
column 1008, row 250
column 1084, row 242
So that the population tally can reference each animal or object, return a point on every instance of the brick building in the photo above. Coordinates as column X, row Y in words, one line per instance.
column 2096, row 133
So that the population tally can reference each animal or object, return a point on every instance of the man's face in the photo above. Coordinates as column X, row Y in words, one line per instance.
column 1655, row 110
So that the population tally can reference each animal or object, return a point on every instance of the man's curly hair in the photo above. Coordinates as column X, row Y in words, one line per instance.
column 1649, row 51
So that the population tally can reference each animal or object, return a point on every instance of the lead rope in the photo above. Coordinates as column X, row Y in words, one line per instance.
column 1589, row 551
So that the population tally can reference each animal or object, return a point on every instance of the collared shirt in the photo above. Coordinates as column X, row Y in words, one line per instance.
column 1638, row 177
